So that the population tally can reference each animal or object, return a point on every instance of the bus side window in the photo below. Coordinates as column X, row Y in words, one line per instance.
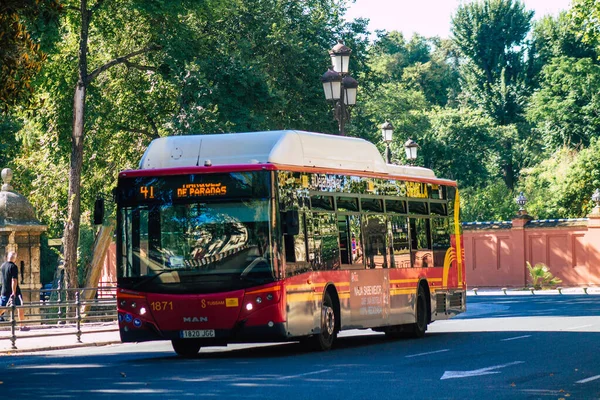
column 399, row 246
column 350, row 241
column 420, row 243
column 295, row 250
column 375, row 230
column 328, row 251
column 440, row 232
column 295, row 245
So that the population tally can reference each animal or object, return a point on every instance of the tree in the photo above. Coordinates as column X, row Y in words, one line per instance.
column 489, row 34
column 491, row 37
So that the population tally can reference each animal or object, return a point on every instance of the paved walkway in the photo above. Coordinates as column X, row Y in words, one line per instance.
column 527, row 292
column 43, row 338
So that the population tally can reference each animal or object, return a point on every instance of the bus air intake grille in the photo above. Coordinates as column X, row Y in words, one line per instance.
column 456, row 300
column 440, row 302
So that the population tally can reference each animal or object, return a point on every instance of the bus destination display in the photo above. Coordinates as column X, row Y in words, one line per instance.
column 180, row 187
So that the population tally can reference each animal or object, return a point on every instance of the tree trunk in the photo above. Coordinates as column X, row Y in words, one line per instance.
column 71, row 234
column 509, row 173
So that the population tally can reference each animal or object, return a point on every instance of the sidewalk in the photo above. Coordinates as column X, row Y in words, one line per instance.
column 528, row 292
column 43, row 338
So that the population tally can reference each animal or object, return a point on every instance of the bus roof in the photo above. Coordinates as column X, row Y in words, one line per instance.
column 280, row 148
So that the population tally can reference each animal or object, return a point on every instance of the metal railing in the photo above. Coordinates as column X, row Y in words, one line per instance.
column 64, row 308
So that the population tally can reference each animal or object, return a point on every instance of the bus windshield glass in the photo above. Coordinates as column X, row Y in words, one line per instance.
column 195, row 245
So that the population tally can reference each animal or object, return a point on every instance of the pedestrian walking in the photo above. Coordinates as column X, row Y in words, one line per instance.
column 11, row 292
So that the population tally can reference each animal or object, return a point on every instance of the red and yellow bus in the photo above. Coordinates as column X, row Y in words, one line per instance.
column 282, row 236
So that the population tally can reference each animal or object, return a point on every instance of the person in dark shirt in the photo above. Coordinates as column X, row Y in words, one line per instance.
column 9, row 273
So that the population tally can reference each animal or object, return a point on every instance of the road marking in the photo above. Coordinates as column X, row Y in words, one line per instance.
column 515, row 338
column 586, row 380
column 306, row 374
column 426, row 354
column 477, row 372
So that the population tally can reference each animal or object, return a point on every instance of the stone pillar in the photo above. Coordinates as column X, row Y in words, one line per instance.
column 20, row 232
column 593, row 237
column 519, row 240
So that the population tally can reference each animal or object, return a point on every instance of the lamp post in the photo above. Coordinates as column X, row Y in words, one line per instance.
column 411, row 150
column 339, row 87
column 521, row 201
column 387, row 130
column 596, row 199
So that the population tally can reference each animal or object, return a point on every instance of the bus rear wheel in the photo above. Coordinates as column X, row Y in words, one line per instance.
column 187, row 348
column 422, row 315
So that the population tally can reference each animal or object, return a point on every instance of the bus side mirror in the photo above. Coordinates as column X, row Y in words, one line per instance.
column 292, row 222
column 98, row 211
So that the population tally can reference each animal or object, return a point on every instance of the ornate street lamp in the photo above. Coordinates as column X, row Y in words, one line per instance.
column 521, row 201
column 387, row 130
column 339, row 87
column 411, row 150
column 596, row 199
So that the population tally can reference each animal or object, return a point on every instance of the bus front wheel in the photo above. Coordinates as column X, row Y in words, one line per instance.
column 324, row 340
column 328, row 331
column 186, row 347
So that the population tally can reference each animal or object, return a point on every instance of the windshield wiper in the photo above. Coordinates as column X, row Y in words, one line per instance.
column 148, row 279
column 151, row 278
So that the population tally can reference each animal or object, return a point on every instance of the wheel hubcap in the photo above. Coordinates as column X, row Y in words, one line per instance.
column 328, row 320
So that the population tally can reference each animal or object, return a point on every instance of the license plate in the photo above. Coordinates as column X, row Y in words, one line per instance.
column 195, row 334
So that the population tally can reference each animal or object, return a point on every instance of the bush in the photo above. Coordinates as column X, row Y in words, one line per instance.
column 541, row 277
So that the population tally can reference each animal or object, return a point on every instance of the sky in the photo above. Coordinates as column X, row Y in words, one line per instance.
column 429, row 17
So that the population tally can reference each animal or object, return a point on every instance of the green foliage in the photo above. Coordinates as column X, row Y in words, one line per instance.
column 561, row 186
column 403, row 107
column 49, row 257
column 541, row 277
column 459, row 145
column 489, row 33
column 493, row 202
column 21, row 57
column 565, row 109
column 586, row 17
column 558, row 37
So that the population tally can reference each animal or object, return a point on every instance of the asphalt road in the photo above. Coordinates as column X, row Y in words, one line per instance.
column 504, row 347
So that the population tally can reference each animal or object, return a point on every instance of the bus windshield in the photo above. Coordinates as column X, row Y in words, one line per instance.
column 198, row 247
